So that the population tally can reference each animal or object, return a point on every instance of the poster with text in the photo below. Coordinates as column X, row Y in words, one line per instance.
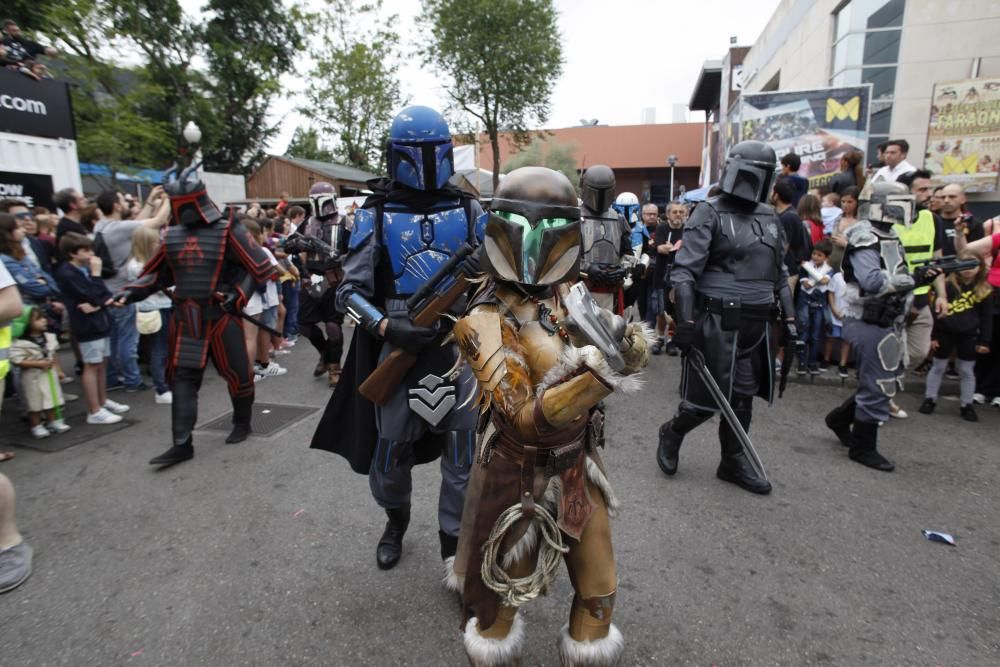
column 817, row 125
column 963, row 136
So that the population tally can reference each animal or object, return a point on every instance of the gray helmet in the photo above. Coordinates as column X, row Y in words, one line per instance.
column 887, row 203
column 323, row 198
column 533, row 229
column 749, row 171
column 597, row 188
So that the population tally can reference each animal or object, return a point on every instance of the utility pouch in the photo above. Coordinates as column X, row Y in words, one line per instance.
column 730, row 313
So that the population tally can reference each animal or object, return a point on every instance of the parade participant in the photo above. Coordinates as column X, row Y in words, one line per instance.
column 539, row 491
column 214, row 267
column 878, row 296
column 627, row 206
column 405, row 231
column 319, row 318
column 726, row 277
column 606, row 238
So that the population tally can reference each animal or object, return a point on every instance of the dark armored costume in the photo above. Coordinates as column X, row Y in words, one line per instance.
column 726, row 278
column 214, row 266
column 606, row 238
column 405, row 231
column 879, row 293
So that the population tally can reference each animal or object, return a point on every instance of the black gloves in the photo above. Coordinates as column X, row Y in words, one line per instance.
column 403, row 333
column 683, row 335
column 605, row 275
column 470, row 265
column 232, row 302
column 792, row 334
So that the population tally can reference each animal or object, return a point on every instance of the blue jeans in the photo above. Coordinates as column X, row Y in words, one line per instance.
column 290, row 297
column 811, row 318
column 158, row 352
column 124, row 360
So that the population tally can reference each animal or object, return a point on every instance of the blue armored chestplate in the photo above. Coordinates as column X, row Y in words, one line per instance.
column 418, row 243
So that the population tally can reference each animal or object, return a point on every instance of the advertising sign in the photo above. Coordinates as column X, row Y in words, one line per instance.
column 36, row 108
column 32, row 189
column 817, row 125
column 963, row 136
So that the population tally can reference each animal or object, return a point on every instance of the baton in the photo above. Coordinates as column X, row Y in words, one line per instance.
column 697, row 361
column 258, row 323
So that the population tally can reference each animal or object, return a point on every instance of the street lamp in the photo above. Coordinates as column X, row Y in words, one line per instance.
column 672, row 161
column 192, row 135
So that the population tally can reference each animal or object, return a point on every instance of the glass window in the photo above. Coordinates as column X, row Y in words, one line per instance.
column 880, row 119
column 890, row 15
column 883, row 80
column 847, row 77
column 848, row 51
column 881, row 47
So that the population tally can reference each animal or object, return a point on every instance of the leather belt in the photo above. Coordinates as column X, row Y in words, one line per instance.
column 752, row 311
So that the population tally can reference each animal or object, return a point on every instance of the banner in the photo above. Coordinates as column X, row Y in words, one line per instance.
column 963, row 136
column 817, row 125
column 36, row 108
column 32, row 189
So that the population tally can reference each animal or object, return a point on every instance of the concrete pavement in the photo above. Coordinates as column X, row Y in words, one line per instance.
column 263, row 553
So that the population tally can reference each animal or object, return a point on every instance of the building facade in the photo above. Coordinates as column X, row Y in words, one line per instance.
column 901, row 47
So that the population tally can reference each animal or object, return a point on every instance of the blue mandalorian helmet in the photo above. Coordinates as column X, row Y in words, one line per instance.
column 420, row 149
column 627, row 204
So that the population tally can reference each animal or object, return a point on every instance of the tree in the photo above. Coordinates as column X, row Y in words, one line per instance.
column 306, row 145
column 543, row 153
column 354, row 87
column 502, row 57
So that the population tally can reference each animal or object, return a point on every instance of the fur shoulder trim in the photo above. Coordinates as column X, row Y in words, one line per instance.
column 575, row 357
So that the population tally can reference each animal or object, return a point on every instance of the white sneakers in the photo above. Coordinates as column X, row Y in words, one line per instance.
column 38, row 432
column 103, row 417
column 979, row 399
column 166, row 398
column 995, row 402
column 57, row 426
column 115, row 407
column 271, row 370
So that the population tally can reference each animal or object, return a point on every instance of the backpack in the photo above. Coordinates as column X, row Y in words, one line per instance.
column 108, row 268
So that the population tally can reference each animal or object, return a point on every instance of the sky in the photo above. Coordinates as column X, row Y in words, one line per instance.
column 620, row 57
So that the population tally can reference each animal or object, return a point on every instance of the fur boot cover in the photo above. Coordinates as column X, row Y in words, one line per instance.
column 451, row 580
column 605, row 652
column 486, row 652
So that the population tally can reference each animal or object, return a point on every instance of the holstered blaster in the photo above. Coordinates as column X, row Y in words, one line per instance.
column 947, row 264
column 434, row 299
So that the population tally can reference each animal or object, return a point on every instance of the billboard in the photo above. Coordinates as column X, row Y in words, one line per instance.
column 32, row 189
column 36, row 108
column 963, row 136
column 817, row 125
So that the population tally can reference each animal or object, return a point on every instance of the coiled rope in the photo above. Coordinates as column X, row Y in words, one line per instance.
column 516, row 591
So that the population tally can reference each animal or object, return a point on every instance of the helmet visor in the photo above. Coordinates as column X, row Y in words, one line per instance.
column 536, row 253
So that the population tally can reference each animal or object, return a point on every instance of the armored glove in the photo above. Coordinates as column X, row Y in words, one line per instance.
column 605, row 275
column 635, row 348
column 683, row 335
column 403, row 333
column 232, row 302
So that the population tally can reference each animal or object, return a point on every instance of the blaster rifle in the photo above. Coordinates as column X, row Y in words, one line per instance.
column 430, row 302
column 947, row 264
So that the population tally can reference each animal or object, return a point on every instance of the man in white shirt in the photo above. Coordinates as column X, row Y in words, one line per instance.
column 896, row 165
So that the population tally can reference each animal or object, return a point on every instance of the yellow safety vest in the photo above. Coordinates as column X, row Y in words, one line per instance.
column 4, row 351
column 918, row 242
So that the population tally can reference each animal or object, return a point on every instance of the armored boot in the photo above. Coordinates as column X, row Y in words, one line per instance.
column 500, row 645
column 864, row 447
column 242, row 413
column 590, row 639
column 735, row 466
column 390, row 545
column 839, row 421
column 176, row 454
column 672, row 435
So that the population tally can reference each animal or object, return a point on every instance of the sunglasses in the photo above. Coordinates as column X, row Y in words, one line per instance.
column 24, row 215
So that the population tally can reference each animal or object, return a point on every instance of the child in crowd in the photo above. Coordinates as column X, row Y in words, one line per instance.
column 263, row 306
column 814, row 281
column 812, row 218
column 34, row 352
column 152, row 313
column 831, row 212
column 837, row 303
column 87, row 301
column 966, row 329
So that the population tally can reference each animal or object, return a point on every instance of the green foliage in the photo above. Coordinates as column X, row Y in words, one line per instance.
column 354, row 87
column 543, row 153
column 307, row 145
column 502, row 58
column 135, row 114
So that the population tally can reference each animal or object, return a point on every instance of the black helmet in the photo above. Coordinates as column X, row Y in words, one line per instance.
column 749, row 171
column 189, row 201
column 597, row 188
column 533, row 229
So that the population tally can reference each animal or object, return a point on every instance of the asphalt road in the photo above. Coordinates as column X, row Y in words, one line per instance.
column 263, row 553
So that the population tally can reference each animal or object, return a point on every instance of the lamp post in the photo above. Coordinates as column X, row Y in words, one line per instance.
column 192, row 135
column 672, row 161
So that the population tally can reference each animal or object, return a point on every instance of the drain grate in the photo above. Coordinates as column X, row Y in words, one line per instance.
column 268, row 418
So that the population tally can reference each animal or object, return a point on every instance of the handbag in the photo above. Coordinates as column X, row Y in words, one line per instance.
column 148, row 322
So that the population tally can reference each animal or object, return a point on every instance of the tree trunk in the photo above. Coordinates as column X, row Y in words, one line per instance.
column 495, row 144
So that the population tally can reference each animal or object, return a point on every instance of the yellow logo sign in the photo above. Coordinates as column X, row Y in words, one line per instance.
column 838, row 111
column 967, row 165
